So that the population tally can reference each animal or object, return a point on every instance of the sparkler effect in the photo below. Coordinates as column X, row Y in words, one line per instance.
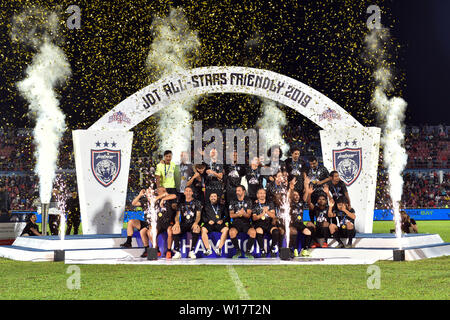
column 61, row 198
column 391, row 114
column 286, row 216
column 151, row 213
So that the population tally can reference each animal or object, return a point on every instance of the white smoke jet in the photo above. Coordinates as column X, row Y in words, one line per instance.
column 48, row 69
column 391, row 114
column 272, row 121
column 173, row 49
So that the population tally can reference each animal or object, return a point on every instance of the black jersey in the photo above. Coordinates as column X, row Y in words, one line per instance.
column 297, row 212
column 342, row 218
column 188, row 211
column 319, row 215
column 273, row 189
column 254, row 181
column 233, row 175
column 237, row 205
column 295, row 168
column 165, row 213
column 198, row 187
column 27, row 230
column 318, row 174
column 214, row 212
column 211, row 181
column 257, row 209
column 337, row 190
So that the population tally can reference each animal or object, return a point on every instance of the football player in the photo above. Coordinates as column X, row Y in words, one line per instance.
column 187, row 219
column 240, row 214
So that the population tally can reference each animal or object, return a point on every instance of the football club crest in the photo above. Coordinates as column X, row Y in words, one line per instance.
column 105, row 165
column 348, row 163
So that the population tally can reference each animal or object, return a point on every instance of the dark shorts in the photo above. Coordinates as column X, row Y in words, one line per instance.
column 215, row 227
column 185, row 228
column 265, row 228
column 299, row 225
column 162, row 226
column 144, row 224
column 241, row 227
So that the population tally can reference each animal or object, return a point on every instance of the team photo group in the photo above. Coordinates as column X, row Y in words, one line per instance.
column 260, row 199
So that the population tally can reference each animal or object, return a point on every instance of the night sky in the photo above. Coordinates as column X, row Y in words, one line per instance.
column 319, row 43
column 423, row 31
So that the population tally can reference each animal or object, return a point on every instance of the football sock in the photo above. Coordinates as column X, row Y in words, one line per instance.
column 260, row 240
column 250, row 243
column 293, row 241
column 194, row 240
column 235, row 243
column 308, row 241
column 176, row 242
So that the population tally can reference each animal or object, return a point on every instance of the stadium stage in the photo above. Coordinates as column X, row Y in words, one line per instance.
column 105, row 249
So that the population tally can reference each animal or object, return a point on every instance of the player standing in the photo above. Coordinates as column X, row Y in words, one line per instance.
column 233, row 175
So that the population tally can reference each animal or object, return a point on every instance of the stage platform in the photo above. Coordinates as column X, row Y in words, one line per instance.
column 105, row 249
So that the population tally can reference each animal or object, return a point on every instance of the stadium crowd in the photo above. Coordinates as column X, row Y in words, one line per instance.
column 426, row 177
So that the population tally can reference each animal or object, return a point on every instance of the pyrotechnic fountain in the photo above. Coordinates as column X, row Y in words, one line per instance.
column 151, row 213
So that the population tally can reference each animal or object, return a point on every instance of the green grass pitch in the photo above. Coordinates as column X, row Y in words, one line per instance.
column 423, row 279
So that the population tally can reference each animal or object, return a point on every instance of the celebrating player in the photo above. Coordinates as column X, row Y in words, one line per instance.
column 263, row 215
column 214, row 176
column 342, row 223
column 337, row 187
column 296, row 168
column 297, row 225
column 162, row 204
column 197, row 182
column 240, row 214
column 233, row 175
column 215, row 219
column 187, row 220
column 318, row 212
column 254, row 178
column 318, row 175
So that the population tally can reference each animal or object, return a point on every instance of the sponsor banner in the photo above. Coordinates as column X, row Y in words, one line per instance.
column 228, row 249
column 416, row 214
column 102, row 160
column 227, row 79
column 353, row 153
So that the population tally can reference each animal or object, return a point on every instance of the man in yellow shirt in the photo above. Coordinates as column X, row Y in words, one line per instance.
column 165, row 173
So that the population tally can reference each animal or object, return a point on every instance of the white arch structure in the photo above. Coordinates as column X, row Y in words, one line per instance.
column 102, row 153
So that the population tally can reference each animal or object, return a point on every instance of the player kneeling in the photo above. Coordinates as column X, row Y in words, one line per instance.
column 187, row 220
column 263, row 214
column 343, row 222
column 215, row 220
